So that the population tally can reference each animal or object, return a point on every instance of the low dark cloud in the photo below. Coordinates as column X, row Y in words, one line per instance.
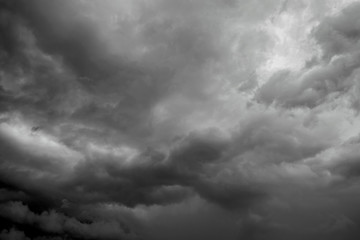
column 152, row 177
column 13, row 234
column 56, row 223
column 179, row 119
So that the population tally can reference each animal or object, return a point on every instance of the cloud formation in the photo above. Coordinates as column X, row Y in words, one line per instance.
column 179, row 119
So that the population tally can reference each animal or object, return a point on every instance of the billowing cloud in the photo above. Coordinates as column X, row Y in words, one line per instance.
column 168, row 119
column 332, row 75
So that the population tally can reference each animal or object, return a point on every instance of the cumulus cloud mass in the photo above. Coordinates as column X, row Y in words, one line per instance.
column 173, row 120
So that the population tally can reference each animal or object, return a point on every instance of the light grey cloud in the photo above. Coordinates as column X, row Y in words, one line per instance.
column 335, row 75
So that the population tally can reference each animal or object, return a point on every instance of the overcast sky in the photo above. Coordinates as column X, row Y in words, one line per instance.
column 180, row 119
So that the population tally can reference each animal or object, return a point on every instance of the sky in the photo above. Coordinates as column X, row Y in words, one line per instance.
column 173, row 120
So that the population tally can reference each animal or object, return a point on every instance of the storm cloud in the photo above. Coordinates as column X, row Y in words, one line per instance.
column 169, row 119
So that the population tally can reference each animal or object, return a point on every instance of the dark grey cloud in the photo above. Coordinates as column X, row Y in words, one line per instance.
column 13, row 234
column 187, row 168
column 179, row 119
column 57, row 223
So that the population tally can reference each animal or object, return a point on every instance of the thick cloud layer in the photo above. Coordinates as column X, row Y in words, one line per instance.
column 169, row 119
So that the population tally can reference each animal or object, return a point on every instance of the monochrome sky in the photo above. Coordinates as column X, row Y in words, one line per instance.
column 173, row 120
